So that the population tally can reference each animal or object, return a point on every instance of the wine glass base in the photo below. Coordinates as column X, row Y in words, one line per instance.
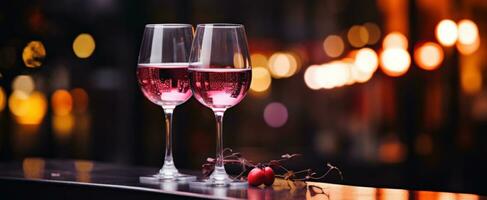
column 202, row 183
column 157, row 178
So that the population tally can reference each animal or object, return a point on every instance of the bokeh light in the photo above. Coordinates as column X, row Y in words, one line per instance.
column 33, row 54
column 259, row 60
column 467, row 49
column 333, row 46
column 3, row 99
column 396, row 194
column 446, row 32
column 366, row 60
column 357, row 36
column 428, row 56
column 80, row 100
column 373, row 31
column 311, row 77
column 62, row 124
column 395, row 61
column 238, row 60
column 84, row 45
column 468, row 32
column 395, row 40
column 282, row 65
column 61, row 102
column 28, row 109
column 275, row 114
column 261, row 79
column 23, row 84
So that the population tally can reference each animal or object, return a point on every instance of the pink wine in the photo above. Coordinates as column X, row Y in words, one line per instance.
column 165, row 84
column 218, row 88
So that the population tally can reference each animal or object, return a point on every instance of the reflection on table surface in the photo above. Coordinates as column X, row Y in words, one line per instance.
column 125, row 177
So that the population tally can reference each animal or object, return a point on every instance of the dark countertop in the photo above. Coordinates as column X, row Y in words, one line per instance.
column 68, row 179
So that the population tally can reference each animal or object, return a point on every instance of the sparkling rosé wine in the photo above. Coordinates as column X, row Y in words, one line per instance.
column 219, row 88
column 165, row 84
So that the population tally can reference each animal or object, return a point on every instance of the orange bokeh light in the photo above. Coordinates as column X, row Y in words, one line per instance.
column 80, row 99
column 395, row 40
column 446, row 32
column 468, row 32
column 333, row 46
column 28, row 109
column 395, row 61
column 429, row 56
column 61, row 102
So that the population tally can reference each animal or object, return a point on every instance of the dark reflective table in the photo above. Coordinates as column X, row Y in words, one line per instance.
column 36, row 178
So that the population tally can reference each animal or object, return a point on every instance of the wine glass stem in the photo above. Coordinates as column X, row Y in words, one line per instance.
column 168, row 159
column 219, row 141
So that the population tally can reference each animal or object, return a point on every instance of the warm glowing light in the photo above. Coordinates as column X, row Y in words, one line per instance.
column 396, row 194
column 33, row 168
column 468, row 32
column 282, row 65
column 333, row 46
column 392, row 151
column 467, row 49
column 311, row 78
column 471, row 79
column 80, row 100
column 366, row 60
column 83, row 166
column 374, row 32
column 261, row 79
column 23, row 84
column 447, row 32
column 334, row 74
column 446, row 196
column 258, row 60
column 3, row 99
column 358, row 75
column 238, row 60
column 61, row 102
column 358, row 36
column 275, row 114
column 428, row 56
column 84, row 45
column 395, row 61
column 28, row 109
column 33, row 54
column 395, row 40
column 62, row 124
column 468, row 196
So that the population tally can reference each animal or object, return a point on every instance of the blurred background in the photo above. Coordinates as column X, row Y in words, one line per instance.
column 390, row 91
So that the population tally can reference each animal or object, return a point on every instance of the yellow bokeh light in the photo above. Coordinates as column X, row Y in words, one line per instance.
column 62, row 124
column 238, row 60
column 467, row 49
column 3, row 99
column 80, row 100
column 358, row 36
column 23, row 84
column 261, row 79
column 333, row 46
column 373, row 31
column 446, row 32
column 395, row 61
column 282, row 65
column 471, row 79
column 395, row 40
column 258, row 60
column 33, row 54
column 428, row 56
column 28, row 109
column 468, row 32
column 366, row 60
column 61, row 102
column 84, row 45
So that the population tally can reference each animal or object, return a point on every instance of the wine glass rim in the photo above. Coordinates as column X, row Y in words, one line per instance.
column 169, row 25
column 221, row 25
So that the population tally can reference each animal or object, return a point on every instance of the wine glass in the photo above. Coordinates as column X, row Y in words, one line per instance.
column 220, row 75
column 162, row 74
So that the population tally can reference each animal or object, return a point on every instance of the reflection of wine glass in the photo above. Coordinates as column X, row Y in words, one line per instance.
column 220, row 74
column 163, row 77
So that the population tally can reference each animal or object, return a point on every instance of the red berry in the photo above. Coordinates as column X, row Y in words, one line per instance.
column 256, row 177
column 268, row 176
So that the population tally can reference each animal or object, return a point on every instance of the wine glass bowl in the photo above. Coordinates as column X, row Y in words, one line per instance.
column 220, row 76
